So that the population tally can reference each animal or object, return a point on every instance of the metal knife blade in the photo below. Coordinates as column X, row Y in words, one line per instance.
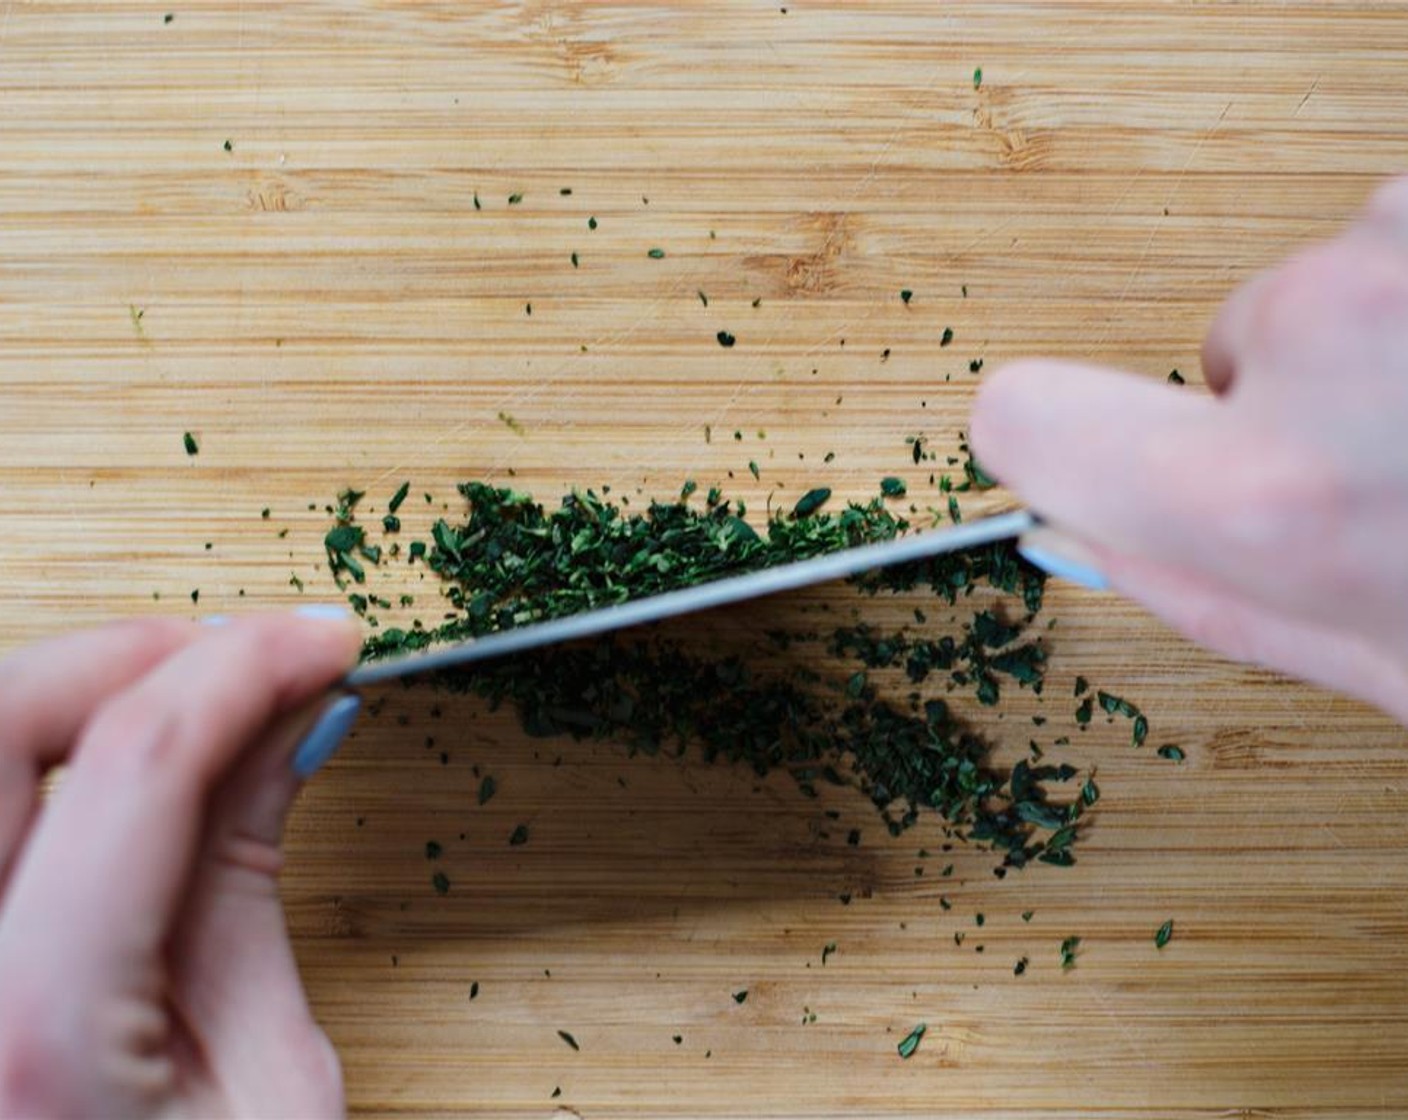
column 705, row 596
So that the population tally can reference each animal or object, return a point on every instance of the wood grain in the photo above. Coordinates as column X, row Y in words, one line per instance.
column 324, row 304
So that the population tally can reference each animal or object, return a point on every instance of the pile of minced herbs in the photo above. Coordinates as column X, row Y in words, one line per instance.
column 510, row 561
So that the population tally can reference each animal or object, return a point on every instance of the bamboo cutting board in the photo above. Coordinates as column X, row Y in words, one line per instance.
column 288, row 229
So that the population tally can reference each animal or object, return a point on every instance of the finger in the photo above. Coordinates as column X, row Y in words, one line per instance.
column 1146, row 470
column 235, row 980
column 1107, row 456
column 1244, row 631
column 48, row 691
column 95, row 895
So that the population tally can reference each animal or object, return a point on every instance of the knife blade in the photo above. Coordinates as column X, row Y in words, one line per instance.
column 705, row 596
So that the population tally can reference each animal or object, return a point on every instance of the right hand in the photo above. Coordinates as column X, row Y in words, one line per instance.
column 1269, row 521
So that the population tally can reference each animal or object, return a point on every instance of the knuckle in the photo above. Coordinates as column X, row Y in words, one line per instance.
column 128, row 739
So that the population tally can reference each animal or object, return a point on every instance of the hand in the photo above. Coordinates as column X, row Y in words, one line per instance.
column 144, row 963
column 1268, row 521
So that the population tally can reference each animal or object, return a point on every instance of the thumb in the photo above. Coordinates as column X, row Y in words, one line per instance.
column 1136, row 468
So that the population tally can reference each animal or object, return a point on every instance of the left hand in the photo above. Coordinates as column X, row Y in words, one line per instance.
column 145, row 967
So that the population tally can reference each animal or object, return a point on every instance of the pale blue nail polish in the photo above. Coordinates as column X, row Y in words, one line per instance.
column 215, row 620
column 327, row 611
column 1062, row 568
column 322, row 742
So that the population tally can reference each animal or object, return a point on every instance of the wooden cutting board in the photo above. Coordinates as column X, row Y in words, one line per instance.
column 291, row 229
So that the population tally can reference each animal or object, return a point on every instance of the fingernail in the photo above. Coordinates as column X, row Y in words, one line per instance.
column 325, row 611
column 322, row 742
column 1063, row 567
column 215, row 620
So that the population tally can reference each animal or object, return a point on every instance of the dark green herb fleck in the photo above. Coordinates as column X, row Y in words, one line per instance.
column 741, row 996
column 910, row 1043
column 1172, row 753
column 726, row 340
column 487, row 788
column 656, row 254
column 192, row 448
column 1068, row 951
column 811, row 501
column 566, row 1037
column 441, row 882
column 519, row 836
column 1176, row 378
column 433, row 849
column 1163, row 934
column 893, row 487
column 906, row 295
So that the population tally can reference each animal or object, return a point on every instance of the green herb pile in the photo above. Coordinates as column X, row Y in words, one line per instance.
column 512, row 562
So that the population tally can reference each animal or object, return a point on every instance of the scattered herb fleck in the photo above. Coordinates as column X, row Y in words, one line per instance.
column 741, row 996
column 1163, row 934
column 566, row 1037
column 519, row 836
column 441, row 882
column 726, row 340
column 192, row 447
column 910, row 1043
column 1172, row 753
column 656, row 254
column 1068, row 951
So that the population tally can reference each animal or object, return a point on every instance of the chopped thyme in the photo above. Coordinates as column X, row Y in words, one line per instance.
column 741, row 996
column 192, row 447
column 1069, row 948
column 656, row 254
column 906, row 295
column 1163, row 934
column 1172, row 753
column 910, row 1043
column 726, row 340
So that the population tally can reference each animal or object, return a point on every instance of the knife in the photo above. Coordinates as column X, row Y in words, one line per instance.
column 702, row 597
